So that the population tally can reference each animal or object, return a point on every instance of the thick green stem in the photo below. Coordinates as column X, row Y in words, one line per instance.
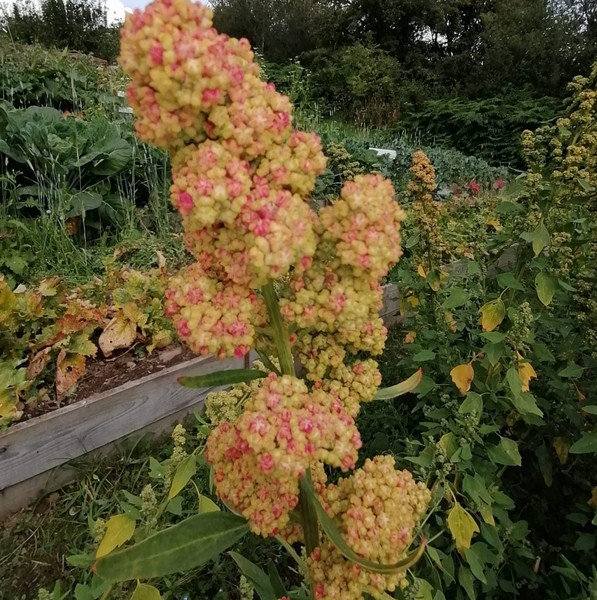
column 281, row 338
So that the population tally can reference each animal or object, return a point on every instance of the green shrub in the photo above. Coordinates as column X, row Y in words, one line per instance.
column 488, row 128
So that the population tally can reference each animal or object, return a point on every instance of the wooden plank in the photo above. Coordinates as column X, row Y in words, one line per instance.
column 32, row 454
column 390, row 313
column 15, row 497
column 36, row 446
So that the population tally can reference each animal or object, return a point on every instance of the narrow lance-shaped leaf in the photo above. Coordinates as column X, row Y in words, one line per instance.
column 340, row 543
column 256, row 576
column 276, row 581
column 404, row 387
column 222, row 378
column 189, row 544
column 308, row 514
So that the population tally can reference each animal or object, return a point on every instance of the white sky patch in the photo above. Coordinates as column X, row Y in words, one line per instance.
column 115, row 9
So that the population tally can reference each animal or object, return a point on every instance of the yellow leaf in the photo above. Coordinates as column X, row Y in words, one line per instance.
column 422, row 272
column 462, row 527
column 413, row 301
column 8, row 404
column 463, row 376
column 146, row 592
column 207, row 505
column 495, row 223
column 593, row 501
column 562, row 446
column 119, row 333
column 119, row 529
column 410, row 337
column 492, row 314
column 580, row 395
column 450, row 321
column 526, row 373
column 38, row 363
column 487, row 514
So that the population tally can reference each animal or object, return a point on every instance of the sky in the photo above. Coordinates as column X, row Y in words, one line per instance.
column 116, row 8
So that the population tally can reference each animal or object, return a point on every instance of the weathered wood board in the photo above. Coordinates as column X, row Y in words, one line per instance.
column 33, row 453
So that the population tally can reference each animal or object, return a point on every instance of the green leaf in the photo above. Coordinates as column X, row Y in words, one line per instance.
column 586, row 445
column 465, row 579
column 508, row 208
column 146, row 592
column 472, row 403
column 113, row 156
column 328, row 527
column 591, row 409
column 189, row 544
column 83, row 592
column 514, row 381
column 508, row 280
column 256, row 576
column 495, row 337
column 308, row 514
column 546, row 287
column 585, row 185
column 406, row 386
column 513, row 190
column 540, row 238
column 276, row 581
column 585, row 542
column 207, row 505
column 457, row 298
column 184, row 473
column 424, row 356
column 566, row 286
column 175, row 506
column 475, row 564
column 545, row 464
column 526, row 405
column 16, row 263
column 222, row 378
column 81, row 561
column 572, row 370
column 119, row 529
column 510, row 447
column 82, row 203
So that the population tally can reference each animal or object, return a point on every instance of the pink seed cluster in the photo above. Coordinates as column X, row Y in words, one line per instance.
column 353, row 384
column 213, row 317
column 340, row 292
column 375, row 510
column 259, row 459
column 240, row 172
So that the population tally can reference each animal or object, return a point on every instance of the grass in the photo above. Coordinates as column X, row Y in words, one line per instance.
column 35, row 543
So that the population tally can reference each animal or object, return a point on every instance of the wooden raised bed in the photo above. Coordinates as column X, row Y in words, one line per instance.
column 34, row 454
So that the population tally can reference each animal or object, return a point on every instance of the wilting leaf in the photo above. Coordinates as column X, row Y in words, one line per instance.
column 38, row 363
column 463, row 376
column 119, row 333
column 69, row 369
column 119, row 529
column 492, row 314
column 462, row 527
column 526, row 373
column 406, row 386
